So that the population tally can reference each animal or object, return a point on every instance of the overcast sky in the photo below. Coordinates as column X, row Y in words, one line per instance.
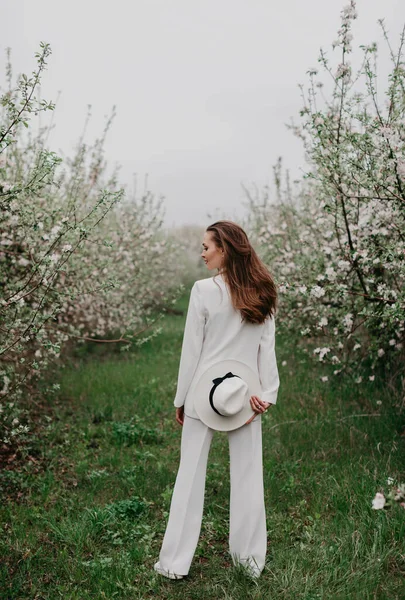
column 203, row 88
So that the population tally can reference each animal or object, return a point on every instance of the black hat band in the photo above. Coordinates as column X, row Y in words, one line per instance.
column 216, row 382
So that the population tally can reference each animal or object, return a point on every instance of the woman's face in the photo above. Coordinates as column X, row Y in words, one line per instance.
column 211, row 254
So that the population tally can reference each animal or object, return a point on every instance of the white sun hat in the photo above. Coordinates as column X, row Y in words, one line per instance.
column 222, row 395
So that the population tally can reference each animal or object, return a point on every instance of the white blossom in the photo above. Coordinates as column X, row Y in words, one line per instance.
column 6, row 383
column 317, row 291
column 322, row 352
column 55, row 230
column 348, row 321
column 343, row 71
column 378, row 501
column 343, row 264
column 401, row 167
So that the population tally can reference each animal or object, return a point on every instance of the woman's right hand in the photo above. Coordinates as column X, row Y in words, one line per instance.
column 180, row 414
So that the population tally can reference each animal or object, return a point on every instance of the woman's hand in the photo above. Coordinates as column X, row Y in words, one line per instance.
column 258, row 406
column 180, row 414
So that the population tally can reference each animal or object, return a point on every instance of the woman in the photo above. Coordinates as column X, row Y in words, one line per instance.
column 230, row 316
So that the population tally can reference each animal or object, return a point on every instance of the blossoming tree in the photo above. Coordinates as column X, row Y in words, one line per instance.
column 336, row 241
column 79, row 258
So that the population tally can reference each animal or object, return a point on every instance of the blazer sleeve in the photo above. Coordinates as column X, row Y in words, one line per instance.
column 193, row 339
column 267, row 364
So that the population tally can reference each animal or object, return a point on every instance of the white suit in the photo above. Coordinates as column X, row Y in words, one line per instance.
column 214, row 331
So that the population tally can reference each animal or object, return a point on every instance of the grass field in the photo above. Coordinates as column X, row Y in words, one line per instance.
column 84, row 515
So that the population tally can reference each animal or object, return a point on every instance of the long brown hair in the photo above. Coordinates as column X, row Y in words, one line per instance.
column 252, row 288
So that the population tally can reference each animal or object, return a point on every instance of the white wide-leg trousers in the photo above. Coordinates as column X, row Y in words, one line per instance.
column 247, row 519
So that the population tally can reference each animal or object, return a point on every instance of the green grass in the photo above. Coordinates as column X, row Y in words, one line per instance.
column 84, row 515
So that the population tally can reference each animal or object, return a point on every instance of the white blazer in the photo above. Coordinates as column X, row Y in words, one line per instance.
column 214, row 331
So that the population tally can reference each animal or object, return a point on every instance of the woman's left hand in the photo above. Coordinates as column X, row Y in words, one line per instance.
column 258, row 406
